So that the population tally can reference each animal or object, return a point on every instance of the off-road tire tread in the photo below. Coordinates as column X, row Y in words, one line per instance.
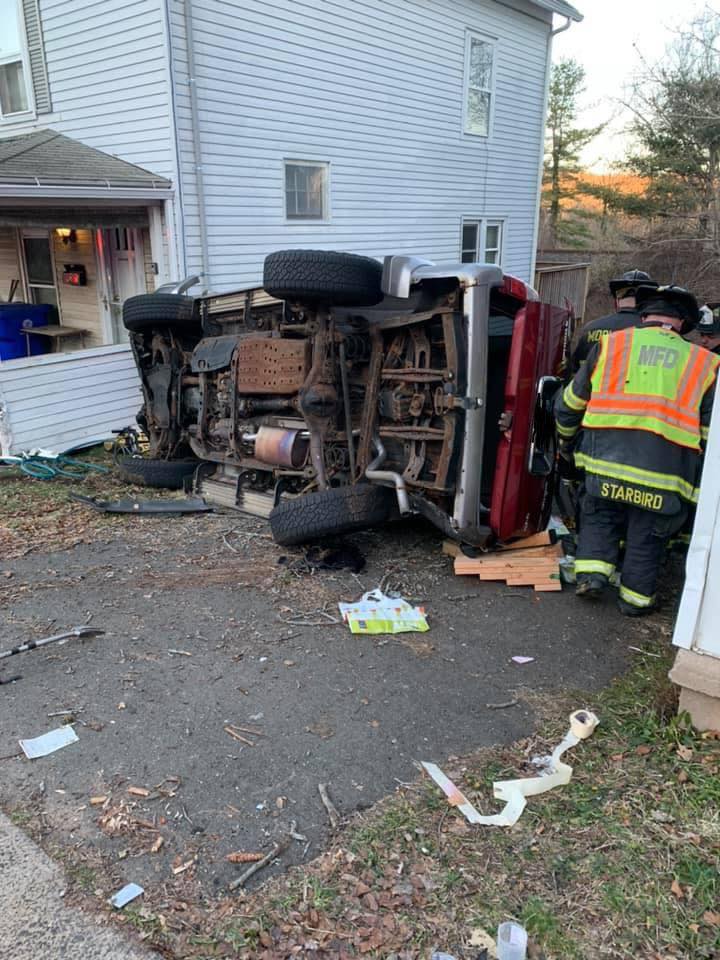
column 323, row 276
column 331, row 512
column 161, row 474
column 148, row 310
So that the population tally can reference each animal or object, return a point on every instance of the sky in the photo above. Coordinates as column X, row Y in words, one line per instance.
column 609, row 43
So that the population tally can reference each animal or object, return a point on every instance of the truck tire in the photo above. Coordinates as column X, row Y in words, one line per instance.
column 327, row 513
column 162, row 474
column 323, row 276
column 149, row 310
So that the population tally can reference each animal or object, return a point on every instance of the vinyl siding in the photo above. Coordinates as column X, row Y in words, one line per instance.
column 79, row 305
column 9, row 266
column 375, row 89
column 62, row 401
column 108, row 79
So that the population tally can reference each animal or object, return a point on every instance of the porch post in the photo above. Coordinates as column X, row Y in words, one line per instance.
column 158, row 248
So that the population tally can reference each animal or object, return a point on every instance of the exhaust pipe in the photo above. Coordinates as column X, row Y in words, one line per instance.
column 388, row 476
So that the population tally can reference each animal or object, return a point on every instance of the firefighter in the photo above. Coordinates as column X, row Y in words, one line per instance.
column 636, row 416
column 707, row 332
column 626, row 315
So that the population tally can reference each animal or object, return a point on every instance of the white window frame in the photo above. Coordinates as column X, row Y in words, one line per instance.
column 27, row 75
column 37, row 233
column 324, row 165
column 482, row 224
column 471, row 35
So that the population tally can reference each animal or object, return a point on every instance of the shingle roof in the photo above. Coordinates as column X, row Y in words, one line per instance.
column 559, row 6
column 46, row 158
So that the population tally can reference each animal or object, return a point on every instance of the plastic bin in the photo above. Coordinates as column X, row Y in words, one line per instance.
column 15, row 319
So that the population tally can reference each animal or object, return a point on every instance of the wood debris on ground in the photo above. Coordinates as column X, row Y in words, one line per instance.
column 533, row 562
column 242, row 856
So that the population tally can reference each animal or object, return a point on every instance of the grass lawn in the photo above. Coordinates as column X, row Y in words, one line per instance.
column 621, row 863
column 41, row 515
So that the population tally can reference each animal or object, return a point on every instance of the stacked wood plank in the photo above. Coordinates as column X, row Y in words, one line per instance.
column 533, row 562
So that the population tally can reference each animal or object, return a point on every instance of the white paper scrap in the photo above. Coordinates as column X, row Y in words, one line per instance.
column 515, row 792
column 128, row 893
column 523, row 659
column 49, row 742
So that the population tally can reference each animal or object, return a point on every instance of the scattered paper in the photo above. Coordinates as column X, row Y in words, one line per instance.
column 49, row 742
column 129, row 892
column 377, row 613
column 523, row 659
column 514, row 792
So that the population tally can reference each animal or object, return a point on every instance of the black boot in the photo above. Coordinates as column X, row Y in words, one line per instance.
column 628, row 610
column 591, row 586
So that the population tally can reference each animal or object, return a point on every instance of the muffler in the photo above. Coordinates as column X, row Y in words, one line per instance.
column 281, row 448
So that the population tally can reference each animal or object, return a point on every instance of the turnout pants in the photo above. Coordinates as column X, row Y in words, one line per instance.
column 604, row 524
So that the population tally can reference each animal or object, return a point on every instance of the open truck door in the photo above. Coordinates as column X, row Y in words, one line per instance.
column 523, row 480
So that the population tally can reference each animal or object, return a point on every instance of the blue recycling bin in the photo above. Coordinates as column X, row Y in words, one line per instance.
column 15, row 320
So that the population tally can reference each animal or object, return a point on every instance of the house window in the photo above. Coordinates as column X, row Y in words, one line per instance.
column 479, row 63
column 306, row 190
column 493, row 241
column 13, row 73
column 40, row 268
column 470, row 241
column 481, row 241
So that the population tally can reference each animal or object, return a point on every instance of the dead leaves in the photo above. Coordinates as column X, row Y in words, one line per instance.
column 677, row 890
column 711, row 918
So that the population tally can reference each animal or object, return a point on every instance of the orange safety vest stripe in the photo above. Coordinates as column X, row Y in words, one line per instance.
column 615, row 371
column 643, row 406
column 695, row 387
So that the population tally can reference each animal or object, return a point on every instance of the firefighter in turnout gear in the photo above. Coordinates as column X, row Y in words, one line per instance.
column 623, row 289
column 636, row 417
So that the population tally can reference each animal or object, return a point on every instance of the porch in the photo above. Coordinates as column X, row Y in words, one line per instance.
column 80, row 232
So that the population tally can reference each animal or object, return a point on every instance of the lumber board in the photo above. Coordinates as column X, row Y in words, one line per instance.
column 536, row 540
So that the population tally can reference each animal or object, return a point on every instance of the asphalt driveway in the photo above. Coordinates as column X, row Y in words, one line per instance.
column 211, row 627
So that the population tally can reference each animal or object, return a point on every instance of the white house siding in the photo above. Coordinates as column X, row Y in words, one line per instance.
column 109, row 79
column 62, row 401
column 9, row 266
column 375, row 89
column 79, row 306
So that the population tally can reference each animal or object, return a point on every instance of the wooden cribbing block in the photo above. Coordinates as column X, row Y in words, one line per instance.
column 536, row 540
column 533, row 562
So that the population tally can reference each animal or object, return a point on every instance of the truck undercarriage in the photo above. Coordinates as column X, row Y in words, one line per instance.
column 283, row 398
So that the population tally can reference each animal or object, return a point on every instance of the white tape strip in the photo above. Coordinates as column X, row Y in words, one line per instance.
column 515, row 792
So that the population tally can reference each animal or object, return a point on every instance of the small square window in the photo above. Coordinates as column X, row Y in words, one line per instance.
column 481, row 241
column 479, row 64
column 306, row 188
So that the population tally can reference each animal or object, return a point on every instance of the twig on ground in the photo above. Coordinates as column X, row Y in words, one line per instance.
column 646, row 653
column 501, row 706
column 330, row 807
column 275, row 852
column 229, row 545
column 236, row 736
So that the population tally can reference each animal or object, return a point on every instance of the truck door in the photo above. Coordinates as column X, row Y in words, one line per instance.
column 521, row 500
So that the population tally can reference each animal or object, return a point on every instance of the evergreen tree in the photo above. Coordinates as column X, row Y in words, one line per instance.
column 564, row 141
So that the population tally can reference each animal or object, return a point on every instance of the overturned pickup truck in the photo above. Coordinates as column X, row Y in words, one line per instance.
column 345, row 392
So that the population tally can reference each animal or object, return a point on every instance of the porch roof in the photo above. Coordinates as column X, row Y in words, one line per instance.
column 49, row 162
